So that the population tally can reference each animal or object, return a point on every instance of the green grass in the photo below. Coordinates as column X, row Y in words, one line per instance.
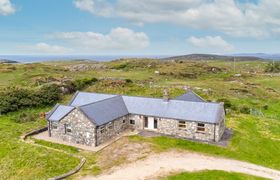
column 207, row 175
column 66, row 148
column 256, row 140
column 25, row 161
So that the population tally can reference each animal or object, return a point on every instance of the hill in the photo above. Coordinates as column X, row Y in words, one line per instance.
column 200, row 57
column 7, row 61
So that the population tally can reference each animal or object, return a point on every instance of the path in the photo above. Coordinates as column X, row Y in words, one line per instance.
column 164, row 163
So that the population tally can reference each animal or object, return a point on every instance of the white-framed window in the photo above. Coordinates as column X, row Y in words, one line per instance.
column 200, row 127
column 182, row 125
column 68, row 128
column 132, row 121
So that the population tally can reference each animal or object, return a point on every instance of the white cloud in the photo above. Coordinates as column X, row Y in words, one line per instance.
column 118, row 39
column 230, row 17
column 215, row 43
column 98, row 7
column 6, row 7
column 44, row 48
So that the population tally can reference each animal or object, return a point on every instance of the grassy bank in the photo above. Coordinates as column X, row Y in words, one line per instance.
column 25, row 161
column 218, row 175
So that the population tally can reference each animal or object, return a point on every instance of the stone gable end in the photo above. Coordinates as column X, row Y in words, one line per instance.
column 74, row 128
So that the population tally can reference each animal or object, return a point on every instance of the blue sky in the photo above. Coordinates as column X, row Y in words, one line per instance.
column 133, row 27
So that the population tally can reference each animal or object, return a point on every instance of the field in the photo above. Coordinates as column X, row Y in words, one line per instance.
column 251, row 96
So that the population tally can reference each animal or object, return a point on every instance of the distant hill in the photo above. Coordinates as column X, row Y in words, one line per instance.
column 261, row 55
column 199, row 57
column 7, row 61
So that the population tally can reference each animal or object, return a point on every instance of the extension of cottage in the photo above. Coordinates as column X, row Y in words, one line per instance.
column 93, row 118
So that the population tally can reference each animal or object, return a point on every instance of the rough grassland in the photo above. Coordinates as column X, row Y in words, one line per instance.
column 256, row 135
column 24, row 161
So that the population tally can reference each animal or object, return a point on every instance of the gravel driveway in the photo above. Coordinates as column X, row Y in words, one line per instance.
column 165, row 163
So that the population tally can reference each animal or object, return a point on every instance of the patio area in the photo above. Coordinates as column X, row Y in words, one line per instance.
column 45, row 136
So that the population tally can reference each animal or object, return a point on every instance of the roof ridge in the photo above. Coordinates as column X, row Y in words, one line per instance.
column 124, row 104
column 100, row 100
column 74, row 97
column 191, row 91
column 141, row 97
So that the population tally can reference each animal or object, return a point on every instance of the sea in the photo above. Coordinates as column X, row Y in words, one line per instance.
column 44, row 58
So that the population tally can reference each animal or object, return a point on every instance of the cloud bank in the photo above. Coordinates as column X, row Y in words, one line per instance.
column 117, row 39
column 233, row 18
column 211, row 42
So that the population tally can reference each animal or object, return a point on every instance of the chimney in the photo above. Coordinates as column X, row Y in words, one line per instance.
column 165, row 95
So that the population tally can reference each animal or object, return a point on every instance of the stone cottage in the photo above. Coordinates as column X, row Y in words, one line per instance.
column 92, row 118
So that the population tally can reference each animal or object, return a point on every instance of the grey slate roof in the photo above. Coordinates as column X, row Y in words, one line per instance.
column 190, row 96
column 104, row 111
column 103, row 108
column 59, row 112
column 174, row 109
column 82, row 98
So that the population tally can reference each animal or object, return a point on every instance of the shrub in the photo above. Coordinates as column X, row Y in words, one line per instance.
column 80, row 84
column 24, row 117
column 273, row 67
column 128, row 81
column 120, row 66
column 245, row 110
column 13, row 99
column 227, row 103
column 265, row 107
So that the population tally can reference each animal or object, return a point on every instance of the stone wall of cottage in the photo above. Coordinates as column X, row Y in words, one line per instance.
column 171, row 127
column 220, row 128
column 139, row 121
column 111, row 129
column 82, row 129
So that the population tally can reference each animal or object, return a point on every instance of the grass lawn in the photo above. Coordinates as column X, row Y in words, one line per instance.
column 256, row 140
column 25, row 161
column 217, row 175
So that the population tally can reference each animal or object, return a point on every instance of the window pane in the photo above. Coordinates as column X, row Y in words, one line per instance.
column 200, row 124
column 146, row 123
column 155, row 124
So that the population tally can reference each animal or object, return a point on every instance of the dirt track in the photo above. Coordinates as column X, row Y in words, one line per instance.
column 164, row 163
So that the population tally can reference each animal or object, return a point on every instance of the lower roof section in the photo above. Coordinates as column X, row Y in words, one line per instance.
column 59, row 112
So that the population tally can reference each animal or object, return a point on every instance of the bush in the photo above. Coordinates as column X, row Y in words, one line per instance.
column 227, row 103
column 24, row 117
column 265, row 107
column 128, row 81
column 245, row 110
column 80, row 84
column 120, row 66
column 273, row 67
column 13, row 99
